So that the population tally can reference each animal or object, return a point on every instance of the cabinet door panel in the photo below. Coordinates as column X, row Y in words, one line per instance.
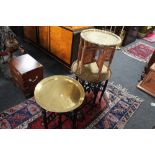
column 44, row 36
column 61, row 43
column 30, row 32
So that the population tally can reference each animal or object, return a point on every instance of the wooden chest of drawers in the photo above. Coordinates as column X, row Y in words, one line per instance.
column 26, row 72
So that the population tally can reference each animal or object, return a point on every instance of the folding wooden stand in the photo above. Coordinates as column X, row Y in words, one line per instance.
column 96, row 51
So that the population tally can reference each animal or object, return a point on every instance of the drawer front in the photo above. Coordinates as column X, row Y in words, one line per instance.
column 32, row 78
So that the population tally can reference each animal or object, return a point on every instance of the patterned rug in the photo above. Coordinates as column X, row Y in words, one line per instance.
column 150, row 37
column 139, row 51
column 122, row 105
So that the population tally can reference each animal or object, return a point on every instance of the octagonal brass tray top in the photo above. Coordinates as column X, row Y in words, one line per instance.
column 100, row 37
column 59, row 94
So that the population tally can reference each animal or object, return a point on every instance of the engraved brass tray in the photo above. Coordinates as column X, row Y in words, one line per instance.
column 100, row 37
column 59, row 94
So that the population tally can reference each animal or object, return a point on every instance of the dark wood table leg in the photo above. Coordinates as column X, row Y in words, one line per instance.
column 44, row 118
column 88, row 87
column 74, row 119
column 76, row 78
column 82, row 83
column 60, row 121
column 96, row 90
column 95, row 94
column 104, row 88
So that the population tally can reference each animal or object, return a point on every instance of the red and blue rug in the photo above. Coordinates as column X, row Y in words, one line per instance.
column 121, row 107
column 139, row 51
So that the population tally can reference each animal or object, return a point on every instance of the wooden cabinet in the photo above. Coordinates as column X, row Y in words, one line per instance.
column 30, row 33
column 43, row 36
column 62, row 42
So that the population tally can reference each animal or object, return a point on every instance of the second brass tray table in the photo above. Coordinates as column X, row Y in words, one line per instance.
column 59, row 94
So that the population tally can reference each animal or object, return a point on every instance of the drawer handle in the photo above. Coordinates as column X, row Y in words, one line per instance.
column 30, row 80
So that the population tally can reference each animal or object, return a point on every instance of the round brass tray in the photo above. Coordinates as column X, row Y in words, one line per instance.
column 90, row 72
column 101, row 37
column 59, row 94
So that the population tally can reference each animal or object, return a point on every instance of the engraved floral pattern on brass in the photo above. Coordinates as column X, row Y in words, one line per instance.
column 59, row 94
column 101, row 37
